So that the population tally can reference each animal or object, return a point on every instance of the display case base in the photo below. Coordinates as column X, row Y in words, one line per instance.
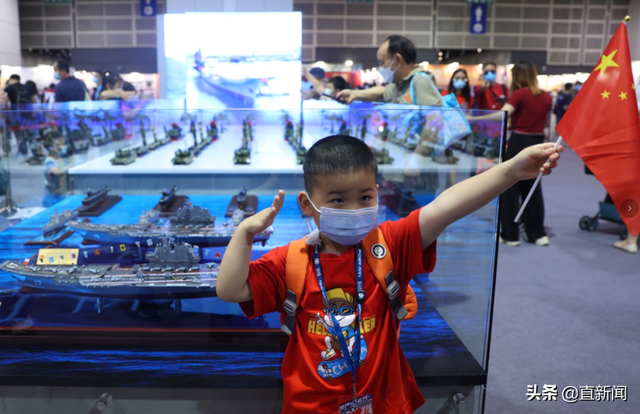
column 52, row 239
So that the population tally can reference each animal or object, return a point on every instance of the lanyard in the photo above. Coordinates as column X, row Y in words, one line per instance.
column 354, row 362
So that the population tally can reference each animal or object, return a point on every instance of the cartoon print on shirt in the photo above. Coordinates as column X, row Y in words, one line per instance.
column 343, row 306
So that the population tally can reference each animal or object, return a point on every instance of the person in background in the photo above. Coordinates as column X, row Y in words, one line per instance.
column 128, row 87
column 331, row 88
column 459, row 86
column 397, row 59
column 48, row 95
column 490, row 94
column 562, row 101
column 113, row 89
column 308, row 88
column 528, row 107
column 97, row 79
column 69, row 88
column 55, row 178
column 33, row 90
column 577, row 87
column 17, row 93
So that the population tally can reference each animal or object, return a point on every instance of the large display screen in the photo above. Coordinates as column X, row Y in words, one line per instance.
column 234, row 60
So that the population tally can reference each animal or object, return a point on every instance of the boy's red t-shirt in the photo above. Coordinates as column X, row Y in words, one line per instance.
column 385, row 372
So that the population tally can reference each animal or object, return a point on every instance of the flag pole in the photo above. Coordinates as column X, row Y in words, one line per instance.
column 526, row 201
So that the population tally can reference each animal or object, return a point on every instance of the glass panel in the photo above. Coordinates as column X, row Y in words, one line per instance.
column 102, row 196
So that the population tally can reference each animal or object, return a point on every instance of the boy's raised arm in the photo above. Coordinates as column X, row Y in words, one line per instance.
column 232, row 285
column 471, row 194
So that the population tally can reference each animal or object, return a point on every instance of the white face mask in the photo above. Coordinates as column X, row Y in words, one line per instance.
column 387, row 72
column 347, row 227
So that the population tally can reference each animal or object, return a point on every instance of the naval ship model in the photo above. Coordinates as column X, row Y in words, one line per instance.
column 173, row 271
column 58, row 221
column 191, row 224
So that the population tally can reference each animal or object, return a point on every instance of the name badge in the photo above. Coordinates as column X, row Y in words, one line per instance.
column 360, row 405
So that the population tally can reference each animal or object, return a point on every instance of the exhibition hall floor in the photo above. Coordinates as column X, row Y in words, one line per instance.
column 566, row 314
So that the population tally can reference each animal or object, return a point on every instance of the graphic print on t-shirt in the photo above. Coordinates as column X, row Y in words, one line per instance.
column 343, row 306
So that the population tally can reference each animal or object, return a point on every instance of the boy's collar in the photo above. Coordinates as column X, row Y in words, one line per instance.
column 314, row 238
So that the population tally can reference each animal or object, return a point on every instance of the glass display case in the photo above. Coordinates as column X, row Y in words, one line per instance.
column 115, row 217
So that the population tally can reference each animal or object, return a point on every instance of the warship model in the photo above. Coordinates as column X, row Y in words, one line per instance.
column 94, row 197
column 190, row 224
column 246, row 203
column 59, row 221
column 173, row 270
column 168, row 196
column 124, row 157
column 174, row 133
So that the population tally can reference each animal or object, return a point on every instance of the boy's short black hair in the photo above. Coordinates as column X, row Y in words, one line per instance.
column 15, row 77
column 337, row 154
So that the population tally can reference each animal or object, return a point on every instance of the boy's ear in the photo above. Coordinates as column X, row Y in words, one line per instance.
column 305, row 204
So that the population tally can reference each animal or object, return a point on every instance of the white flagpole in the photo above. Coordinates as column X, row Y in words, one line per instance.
column 526, row 201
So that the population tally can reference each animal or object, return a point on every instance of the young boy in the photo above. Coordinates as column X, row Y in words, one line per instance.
column 342, row 196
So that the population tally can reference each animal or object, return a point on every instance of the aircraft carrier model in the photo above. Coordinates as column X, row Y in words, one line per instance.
column 173, row 271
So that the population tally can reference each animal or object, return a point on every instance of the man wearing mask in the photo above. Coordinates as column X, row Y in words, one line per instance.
column 69, row 88
column 406, row 82
column 97, row 79
column 490, row 94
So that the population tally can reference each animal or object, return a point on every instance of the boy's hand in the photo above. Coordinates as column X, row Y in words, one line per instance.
column 260, row 221
column 536, row 159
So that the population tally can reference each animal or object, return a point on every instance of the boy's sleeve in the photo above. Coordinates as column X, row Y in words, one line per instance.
column 267, row 281
column 405, row 246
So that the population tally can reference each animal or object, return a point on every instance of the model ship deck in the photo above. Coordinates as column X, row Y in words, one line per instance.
column 111, row 280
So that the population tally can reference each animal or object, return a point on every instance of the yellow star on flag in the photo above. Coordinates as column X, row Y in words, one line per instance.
column 607, row 62
column 623, row 95
column 633, row 86
column 605, row 94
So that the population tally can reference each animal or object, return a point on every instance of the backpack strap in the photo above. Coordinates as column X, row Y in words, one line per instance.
column 382, row 268
column 295, row 275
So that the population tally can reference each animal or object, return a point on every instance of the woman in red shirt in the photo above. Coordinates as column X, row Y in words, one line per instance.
column 528, row 107
column 459, row 86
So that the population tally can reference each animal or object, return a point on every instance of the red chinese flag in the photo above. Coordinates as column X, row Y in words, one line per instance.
column 603, row 127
